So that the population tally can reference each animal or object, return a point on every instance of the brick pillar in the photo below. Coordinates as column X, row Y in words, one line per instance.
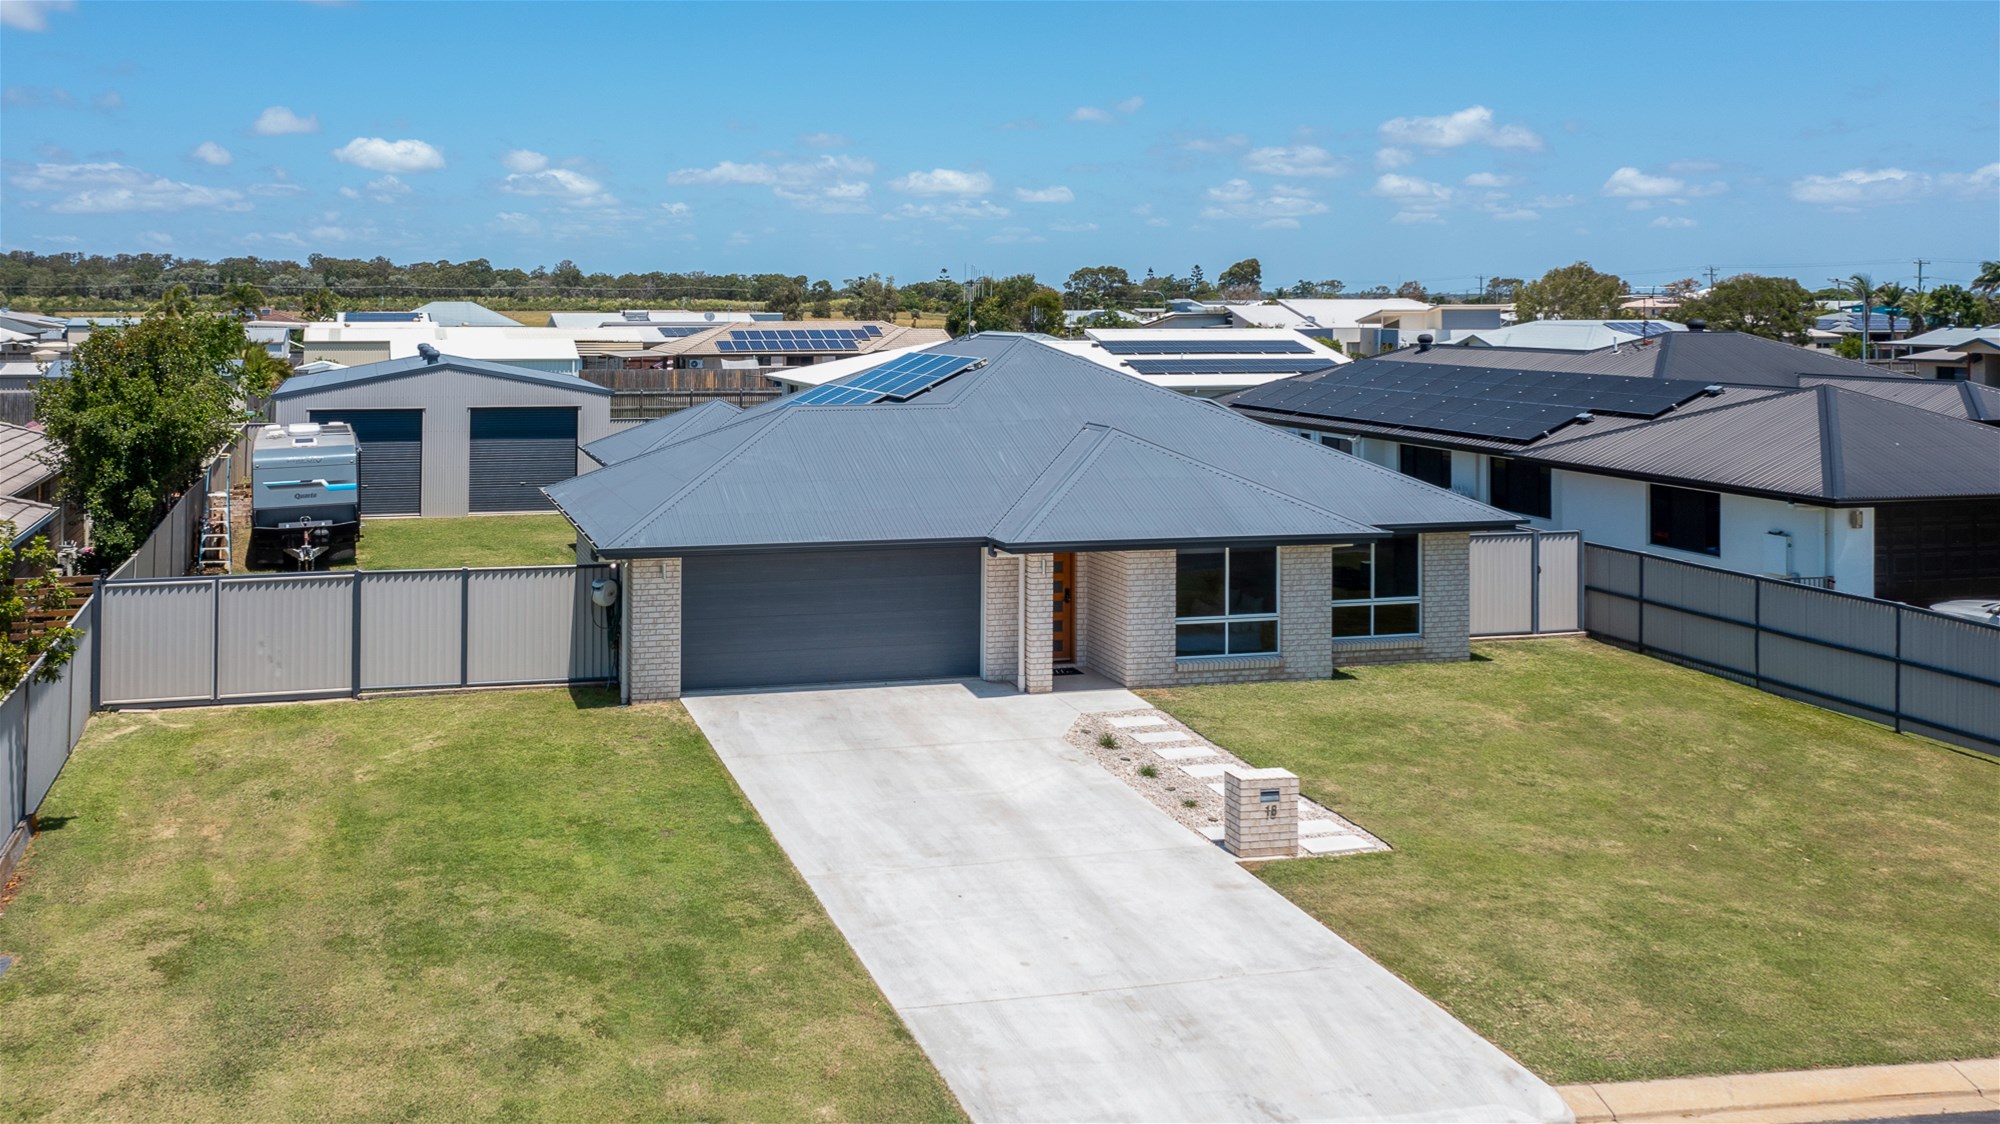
column 653, row 604
column 1254, row 827
column 1000, row 601
column 1036, row 674
column 1305, row 610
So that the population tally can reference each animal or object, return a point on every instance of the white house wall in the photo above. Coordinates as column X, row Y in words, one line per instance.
column 447, row 398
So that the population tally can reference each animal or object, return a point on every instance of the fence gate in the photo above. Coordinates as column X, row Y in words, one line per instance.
column 1526, row 583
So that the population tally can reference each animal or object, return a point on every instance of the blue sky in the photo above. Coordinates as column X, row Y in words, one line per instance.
column 1366, row 142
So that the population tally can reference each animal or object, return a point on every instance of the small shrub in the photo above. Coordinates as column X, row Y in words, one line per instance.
column 1148, row 771
column 1189, row 803
column 1107, row 741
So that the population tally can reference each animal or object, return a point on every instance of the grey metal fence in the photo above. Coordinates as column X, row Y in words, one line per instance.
column 259, row 638
column 1526, row 582
column 40, row 723
column 1905, row 667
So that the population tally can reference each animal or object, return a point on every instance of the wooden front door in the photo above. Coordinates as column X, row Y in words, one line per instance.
column 1063, row 614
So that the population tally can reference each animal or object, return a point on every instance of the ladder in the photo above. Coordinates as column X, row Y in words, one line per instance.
column 216, row 543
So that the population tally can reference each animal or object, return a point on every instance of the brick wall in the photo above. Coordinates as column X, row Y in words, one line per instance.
column 653, row 608
column 1101, row 644
column 1447, row 612
column 1000, row 594
column 1037, row 662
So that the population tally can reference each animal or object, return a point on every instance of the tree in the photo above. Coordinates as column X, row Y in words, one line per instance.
column 786, row 297
column 1414, row 291
column 1099, row 286
column 1848, row 347
column 1777, row 308
column 1864, row 291
column 142, row 408
column 320, row 304
column 871, row 297
column 176, row 301
column 259, row 373
column 1242, row 281
column 38, row 590
column 1988, row 281
column 1571, row 292
column 1952, row 306
column 822, row 300
column 1197, row 285
column 1503, row 290
column 243, row 299
column 1681, row 290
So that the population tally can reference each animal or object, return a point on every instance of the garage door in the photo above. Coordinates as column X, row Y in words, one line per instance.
column 392, row 458
column 769, row 620
column 517, row 450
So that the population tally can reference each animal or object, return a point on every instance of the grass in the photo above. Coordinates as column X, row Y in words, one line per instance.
column 496, row 905
column 474, row 540
column 1619, row 869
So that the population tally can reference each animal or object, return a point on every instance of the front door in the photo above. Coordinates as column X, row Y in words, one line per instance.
column 1064, row 614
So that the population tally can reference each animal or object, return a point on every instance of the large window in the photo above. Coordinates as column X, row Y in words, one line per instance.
column 1432, row 466
column 1226, row 602
column 1378, row 589
column 1519, row 487
column 1685, row 519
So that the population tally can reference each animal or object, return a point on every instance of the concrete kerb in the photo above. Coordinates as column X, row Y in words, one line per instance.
column 1853, row 1093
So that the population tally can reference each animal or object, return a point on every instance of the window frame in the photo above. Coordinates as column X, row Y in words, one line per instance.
column 1338, row 442
column 1496, row 466
column 1227, row 618
column 1403, row 451
column 1655, row 493
column 1373, row 600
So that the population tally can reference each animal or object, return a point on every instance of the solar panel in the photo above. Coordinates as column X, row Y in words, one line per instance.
column 898, row 380
column 1227, row 366
column 1644, row 329
column 1206, row 347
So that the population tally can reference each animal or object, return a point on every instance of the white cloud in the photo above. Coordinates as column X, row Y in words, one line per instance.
column 1490, row 179
column 953, row 211
column 1693, row 167
column 523, row 161
column 1130, row 105
column 275, row 189
column 571, row 187
column 829, row 184
column 1237, row 199
column 159, row 239
column 388, row 189
column 1296, row 160
column 1389, row 159
column 209, row 152
column 349, row 193
column 944, row 181
column 1073, row 227
column 1055, row 194
column 1864, row 186
column 1278, row 224
column 108, row 102
column 31, row 15
column 379, row 155
column 1673, row 222
column 1408, row 217
column 1518, row 214
column 1553, row 202
column 518, row 222
column 1472, row 125
column 1412, row 190
column 111, row 188
column 1631, row 183
column 278, row 120
column 1090, row 114
column 677, row 210
column 823, row 140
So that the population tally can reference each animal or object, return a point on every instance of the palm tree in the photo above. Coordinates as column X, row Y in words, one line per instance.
column 1988, row 281
column 1890, row 299
column 1917, row 306
column 176, row 301
column 1864, row 288
column 243, row 299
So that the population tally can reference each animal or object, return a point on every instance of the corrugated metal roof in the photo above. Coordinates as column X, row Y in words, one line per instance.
column 1951, row 397
column 951, row 464
column 21, row 465
column 659, row 432
column 1734, row 358
column 417, row 366
column 27, row 516
column 466, row 314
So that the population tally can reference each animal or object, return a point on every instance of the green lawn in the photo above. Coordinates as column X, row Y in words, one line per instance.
column 475, row 540
column 1619, row 869
column 509, row 904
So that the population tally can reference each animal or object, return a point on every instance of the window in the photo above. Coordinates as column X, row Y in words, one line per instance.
column 1520, row 488
column 1337, row 444
column 1432, row 466
column 1226, row 602
column 1685, row 519
column 1378, row 589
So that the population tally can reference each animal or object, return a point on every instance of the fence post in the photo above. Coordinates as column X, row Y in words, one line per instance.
column 1642, row 603
column 1757, row 631
column 464, row 626
column 356, row 640
column 1535, row 582
column 97, row 641
column 1899, row 670
column 215, row 644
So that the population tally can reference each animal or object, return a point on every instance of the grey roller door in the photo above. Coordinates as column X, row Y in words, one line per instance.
column 769, row 620
column 516, row 450
column 392, row 458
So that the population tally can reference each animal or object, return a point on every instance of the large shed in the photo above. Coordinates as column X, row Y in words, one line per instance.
column 451, row 436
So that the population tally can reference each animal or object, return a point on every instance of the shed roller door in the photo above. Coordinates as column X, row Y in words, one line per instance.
column 771, row 620
column 515, row 451
column 391, row 468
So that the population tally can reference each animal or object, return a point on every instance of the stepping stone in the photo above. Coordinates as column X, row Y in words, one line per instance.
column 1216, row 788
column 1183, row 752
column 1333, row 844
column 1320, row 827
column 1131, row 722
column 1159, row 737
column 1213, row 831
column 1203, row 771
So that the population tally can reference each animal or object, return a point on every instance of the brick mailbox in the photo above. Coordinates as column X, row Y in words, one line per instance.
column 1260, row 813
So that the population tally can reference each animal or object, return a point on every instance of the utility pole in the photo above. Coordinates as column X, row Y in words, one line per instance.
column 1481, row 298
column 1711, row 277
column 1921, row 263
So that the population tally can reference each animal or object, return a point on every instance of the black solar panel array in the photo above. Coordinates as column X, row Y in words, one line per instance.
column 1475, row 401
column 1205, row 347
column 1227, row 366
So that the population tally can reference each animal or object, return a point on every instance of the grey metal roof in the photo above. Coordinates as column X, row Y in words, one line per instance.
column 416, row 365
column 466, row 314
column 1952, row 397
column 649, row 435
column 21, row 465
column 1734, row 358
column 1038, row 448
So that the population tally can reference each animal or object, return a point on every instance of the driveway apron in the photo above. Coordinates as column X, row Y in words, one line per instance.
column 1064, row 951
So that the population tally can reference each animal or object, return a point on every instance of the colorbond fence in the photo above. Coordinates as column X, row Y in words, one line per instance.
column 1526, row 582
column 1905, row 667
column 264, row 638
column 39, row 726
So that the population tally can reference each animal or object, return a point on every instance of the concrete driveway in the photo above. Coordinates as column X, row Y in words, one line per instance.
column 1064, row 951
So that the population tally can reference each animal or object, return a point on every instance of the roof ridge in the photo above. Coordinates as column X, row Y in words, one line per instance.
column 644, row 521
column 1099, row 440
column 1832, row 468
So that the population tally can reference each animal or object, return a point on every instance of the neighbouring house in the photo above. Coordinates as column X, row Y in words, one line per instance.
column 1330, row 319
column 1880, row 327
column 1831, row 481
column 1204, row 362
column 996, row 507
column 1391, row 328
column 277, row 339
column 30, row 489
column 466, row 314
column 658, row 317
column 744, row 362
column 363, row 342
column 1563, row 335
column 677, row 426
column 1969, row 355
column 453, row 436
